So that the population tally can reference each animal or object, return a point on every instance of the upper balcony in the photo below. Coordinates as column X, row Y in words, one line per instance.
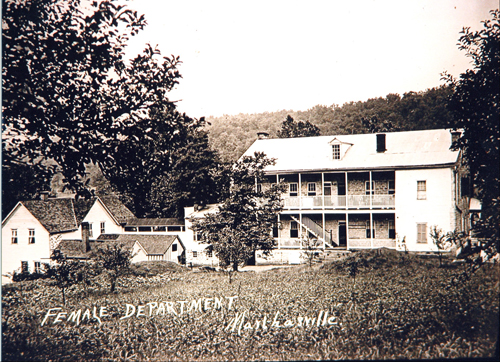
column 331, row 202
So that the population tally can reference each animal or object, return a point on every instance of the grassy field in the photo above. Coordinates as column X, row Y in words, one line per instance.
column 393, row 308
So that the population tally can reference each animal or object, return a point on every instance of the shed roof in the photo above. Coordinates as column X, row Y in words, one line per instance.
column 428, row 148
column 154, row 222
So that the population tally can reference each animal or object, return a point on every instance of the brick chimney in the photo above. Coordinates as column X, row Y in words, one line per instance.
column 44, row 195
column 86, row 236
column 381, row 142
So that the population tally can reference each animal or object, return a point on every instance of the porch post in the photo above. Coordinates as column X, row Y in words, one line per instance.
column 324, row 230
column 300, row 229
column 279, row 231
column 371, row 229
column 371, row 191
column 346, row 192
column 347, row 229
column 300, row 192
column 323, row 190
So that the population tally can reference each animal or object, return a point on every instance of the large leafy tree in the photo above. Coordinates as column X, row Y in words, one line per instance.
column 68, row 92
column 290, row 128
column 475, row 105
column 244, row 221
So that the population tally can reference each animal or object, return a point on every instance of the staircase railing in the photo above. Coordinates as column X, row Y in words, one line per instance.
column 311, row 226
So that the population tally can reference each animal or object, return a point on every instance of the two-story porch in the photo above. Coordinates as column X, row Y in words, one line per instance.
column 352, row 209
column 338, row 190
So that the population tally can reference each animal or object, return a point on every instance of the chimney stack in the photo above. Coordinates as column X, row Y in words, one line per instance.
column 262, row 135
column 381, row 142
column 86, row 236
column 44, row 195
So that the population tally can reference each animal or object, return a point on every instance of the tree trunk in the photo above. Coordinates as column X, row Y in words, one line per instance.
column 113, row 285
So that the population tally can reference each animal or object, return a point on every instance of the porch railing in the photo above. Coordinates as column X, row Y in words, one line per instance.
column 339, row 201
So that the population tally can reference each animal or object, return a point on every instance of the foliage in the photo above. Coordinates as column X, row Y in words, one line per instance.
column 474, row 104
column 69, row 96
column 290, row 128
column 388, row 320
column 163, row 163
column 441, row 240
column 21, row 181
column 373, row 125
column 152, row 268
column 244, row 221
column 310, row 250
column 64, row 272
column 233, row 135
column 115, row 260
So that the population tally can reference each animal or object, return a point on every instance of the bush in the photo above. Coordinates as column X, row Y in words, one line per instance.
column 152, row 268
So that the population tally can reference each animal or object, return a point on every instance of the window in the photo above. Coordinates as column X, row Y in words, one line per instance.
column 24, row 267
column 369, row 187
column 422, row 233
column 392, row 187
column 174, row 228
column 174, row 247
column 195, row 254
column 103, row 227
column 199, row 237
column 208, row 253
column 293, row 189
column 91, row 232
column 464, row 186
column 31, row 236
column 14, row 236
column 294, row 229
column 311, row 189
column 38, row 267
column 336, row 152
column 421, row 190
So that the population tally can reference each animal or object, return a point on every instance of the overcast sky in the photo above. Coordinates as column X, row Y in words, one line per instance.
column 257, row 56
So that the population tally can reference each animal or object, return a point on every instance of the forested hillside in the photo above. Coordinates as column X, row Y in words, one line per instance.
column 232, row 135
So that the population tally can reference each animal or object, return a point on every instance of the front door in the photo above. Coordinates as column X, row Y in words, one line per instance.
column 327, row 192
column 342, row 234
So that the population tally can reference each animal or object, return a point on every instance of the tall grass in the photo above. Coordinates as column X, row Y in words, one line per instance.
column 395, row 309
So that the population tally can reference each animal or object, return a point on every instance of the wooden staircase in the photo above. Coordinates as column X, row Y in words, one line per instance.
column 315, row 229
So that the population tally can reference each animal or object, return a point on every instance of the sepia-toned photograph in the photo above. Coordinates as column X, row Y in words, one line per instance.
column 250, row 180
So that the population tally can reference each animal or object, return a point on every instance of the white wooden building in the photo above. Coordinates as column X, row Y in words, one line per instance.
column 367, row 190
column 363, row 191
column 34, row 228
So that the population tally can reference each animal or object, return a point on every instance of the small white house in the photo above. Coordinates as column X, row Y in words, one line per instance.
column 147, row 247
column 34, row 228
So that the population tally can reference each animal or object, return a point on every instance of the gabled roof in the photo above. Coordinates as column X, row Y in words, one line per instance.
column 151, row 243
column 429, row 148
column 119, row 211
column 82, row 207
column 56, row 215
column 66, row 214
